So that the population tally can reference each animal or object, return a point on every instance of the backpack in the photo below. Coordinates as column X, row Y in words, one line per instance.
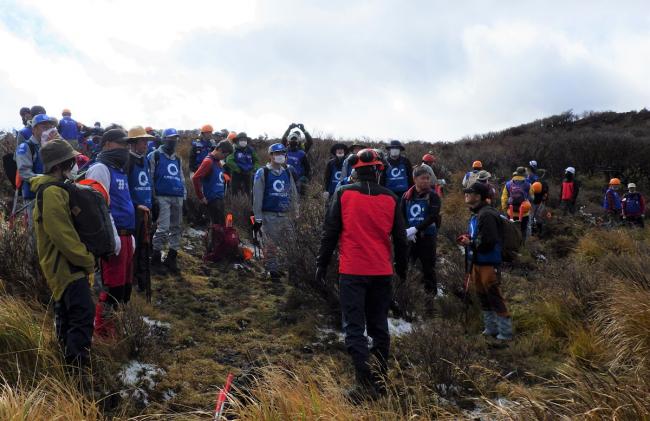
column 222, row 243
column 511, row 239
column 518, row 193
column 90, row 216
column 9, row 164
column 472, row 177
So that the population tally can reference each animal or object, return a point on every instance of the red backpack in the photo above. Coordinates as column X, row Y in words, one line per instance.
column 222, row 243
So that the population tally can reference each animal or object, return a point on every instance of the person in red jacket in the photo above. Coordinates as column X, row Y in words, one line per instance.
column 210, row 180
column 365, row 221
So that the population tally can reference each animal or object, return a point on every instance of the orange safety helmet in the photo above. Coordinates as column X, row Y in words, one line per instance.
column 231, row 136
column 207, row 129
column 525, row 207
column 148, row 129
column 477, row 165
column 66, row 111
column 97, row 186
column 615, row 182
column 537, row 187
column 366, row 158
column 428, row 158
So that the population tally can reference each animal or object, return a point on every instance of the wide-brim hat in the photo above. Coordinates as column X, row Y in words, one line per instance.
column 138, row 132
column 338, row 146
column 395, row 144
column 55, row 152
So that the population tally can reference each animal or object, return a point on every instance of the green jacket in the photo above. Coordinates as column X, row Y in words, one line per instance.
column 232, row 165
column 62, row 255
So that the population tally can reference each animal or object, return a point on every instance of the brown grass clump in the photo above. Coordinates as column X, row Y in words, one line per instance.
column 597, row 243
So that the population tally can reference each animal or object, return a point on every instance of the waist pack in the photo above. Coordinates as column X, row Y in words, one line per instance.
column 222, row 243
column 512, row 239
column 90, row 217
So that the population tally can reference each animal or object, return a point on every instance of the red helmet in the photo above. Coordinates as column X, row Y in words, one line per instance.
column 428, row 158
column 366, row 158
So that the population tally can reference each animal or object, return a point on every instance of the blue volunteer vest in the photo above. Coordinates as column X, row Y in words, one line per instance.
column 203, row 149
column 244, row 159
column 121, row 204
column 277, row 191
column 37, row 167
column 632, row 203
column 396, row 179
column 68, row 128
column 152, row 145
column 294, row 158
column 214, row 185
column 491, row 258
column 617, row 200
column 140, row 184
column 167, row 177
column 335, row 177
column 417, row 211
column 25, row 132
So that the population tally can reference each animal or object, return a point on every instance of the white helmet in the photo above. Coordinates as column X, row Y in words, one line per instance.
column 533, row 164
column 631, row 186
column 570, row 170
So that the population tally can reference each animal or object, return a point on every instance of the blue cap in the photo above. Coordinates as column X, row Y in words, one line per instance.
column 277, row 147
column 41, row 118
column 169, row 133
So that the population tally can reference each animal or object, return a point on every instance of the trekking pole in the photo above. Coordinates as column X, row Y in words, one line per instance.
column 221, row 398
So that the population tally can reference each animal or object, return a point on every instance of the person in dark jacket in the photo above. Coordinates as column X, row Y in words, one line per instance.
column 333, row 169
column 569, row 191
column 293, row 127
column 483, row 244
column 420, row 206
column 612, row 203
column 397, row 176
column 26, row 132
column 633, row 206
column 364, row 219
column 242, row 163
column 538, row 201
column 200, row 149
column 297, row 156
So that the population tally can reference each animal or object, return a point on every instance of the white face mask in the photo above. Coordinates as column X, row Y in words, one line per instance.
column 394, row 153
column 279, row 159
column 45, row 136
column 243, row 143
column 340, row 154
column 73, row 172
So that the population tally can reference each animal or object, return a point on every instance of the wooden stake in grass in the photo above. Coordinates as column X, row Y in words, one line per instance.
column 221, row 398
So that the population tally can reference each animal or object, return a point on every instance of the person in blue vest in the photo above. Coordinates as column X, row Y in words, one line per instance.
column 297, row 158
column 333, row 169
column 397, row 176
column 142, row 198
column 110, row 170
column 68, row 128
column 26, row 132
column 28, row 157
column 242, row 164
column 420, row 206
column 169, row 190
column 612, row 203
column 483, row 244
column 298, row 128
column 210, row 181
column 633, row 205
column 275, row 201
column 153, row 143
column 352, row 151
column 201, row 147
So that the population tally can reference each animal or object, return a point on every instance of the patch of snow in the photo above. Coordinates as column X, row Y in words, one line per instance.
column 156, row 323
column 194, row 233
column 399, row 327
column 138, row 376
column 541, row 258
column 168, row 394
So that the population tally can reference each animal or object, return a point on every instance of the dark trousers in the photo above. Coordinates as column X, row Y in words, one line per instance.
column 241, row 183
column 567, row 207
column 424, row 250
column 216, row 212
column 365, row 301
column 636, row 220
column 141, row 259
column 119, row 295
column 74, row 314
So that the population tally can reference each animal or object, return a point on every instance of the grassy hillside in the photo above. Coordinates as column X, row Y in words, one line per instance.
column 579, row 299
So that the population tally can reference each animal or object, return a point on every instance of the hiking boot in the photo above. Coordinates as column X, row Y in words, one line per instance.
column 364, row 389
column 275, row 275
column 490, row 323
column 170, row 261
column 156, row 262
column 504, row 326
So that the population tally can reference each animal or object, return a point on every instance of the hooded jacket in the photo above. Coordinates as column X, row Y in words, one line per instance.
column 505, row 194
column 61, row 254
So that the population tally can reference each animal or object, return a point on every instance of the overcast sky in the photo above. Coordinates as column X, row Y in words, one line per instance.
column 431, row 70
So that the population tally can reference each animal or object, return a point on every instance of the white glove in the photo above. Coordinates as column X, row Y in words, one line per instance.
column 410, row 233
column 133, row 242
column 326, row 195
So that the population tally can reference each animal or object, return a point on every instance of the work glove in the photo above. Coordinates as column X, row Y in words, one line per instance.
column 321, row 274
column 301, row 127
column 292, row 126
column 326, row 195
column 411, row 232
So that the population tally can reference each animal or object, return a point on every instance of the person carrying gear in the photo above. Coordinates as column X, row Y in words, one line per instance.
column 169, row 190
column 633, row 205
column 68, row 128
column 299, row 127
column 333, row 169
column 364, row 219
column 28, row 157
column 531, row 172
column 65, row 261
column 275, row 201
column 484, row 177
column 429, row 160
column 612, row 203
column 142, row 197
column 26, row 132
column 242, row 164
column 110, row 170
column 538, row 203
column 483, row 244
column 569, row 191
column 352, row 151
column 221, row 135
column 397, row 176
column 515, row 199
column 420, row 206
column 201, row 147
column 471, row 176
column 210, row 181
column 297, row 158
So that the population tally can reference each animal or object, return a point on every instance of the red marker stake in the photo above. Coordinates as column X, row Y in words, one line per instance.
column 221, row 398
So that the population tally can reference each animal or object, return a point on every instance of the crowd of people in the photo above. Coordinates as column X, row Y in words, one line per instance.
column 383, row 214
